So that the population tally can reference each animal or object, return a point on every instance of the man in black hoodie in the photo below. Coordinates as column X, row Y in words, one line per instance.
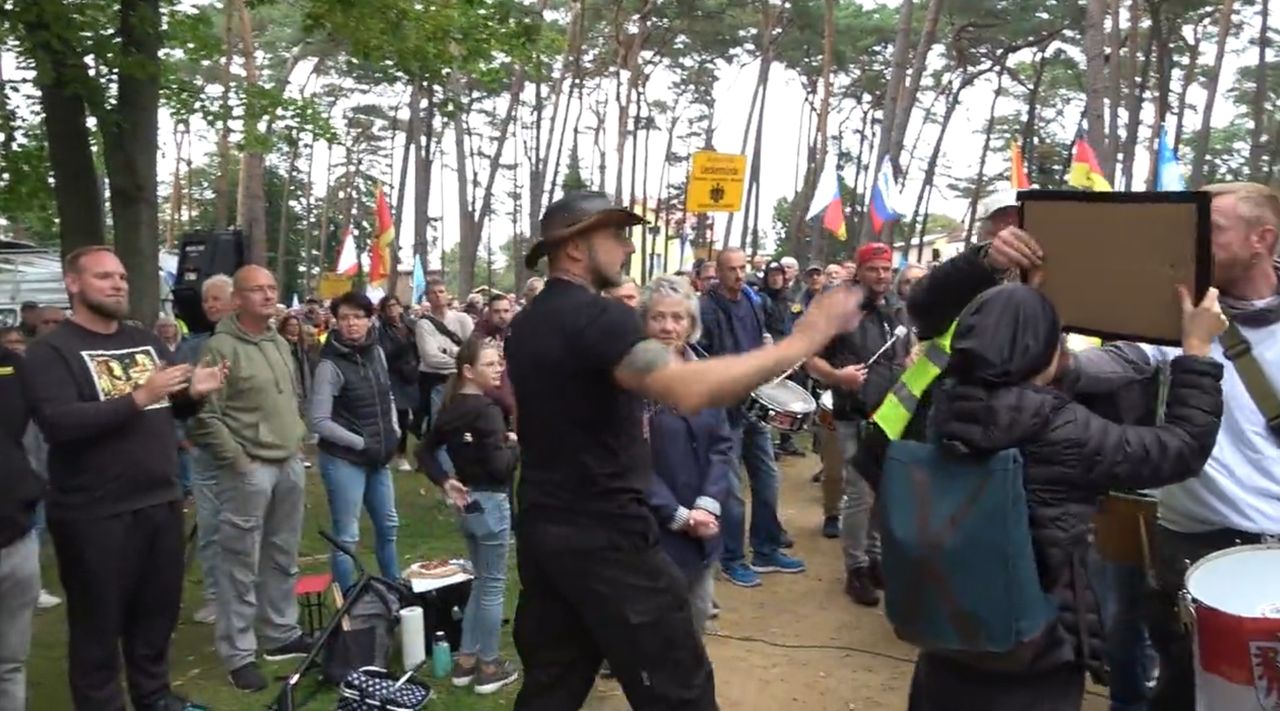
column 105, row 394
column 20, row 490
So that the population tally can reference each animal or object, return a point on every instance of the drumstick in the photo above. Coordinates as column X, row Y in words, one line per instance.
column 897, row 333
column 786, row 372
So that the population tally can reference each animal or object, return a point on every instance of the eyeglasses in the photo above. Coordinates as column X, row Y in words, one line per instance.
column 352, row 318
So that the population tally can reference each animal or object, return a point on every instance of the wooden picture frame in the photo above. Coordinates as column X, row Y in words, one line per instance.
column 1113, row 260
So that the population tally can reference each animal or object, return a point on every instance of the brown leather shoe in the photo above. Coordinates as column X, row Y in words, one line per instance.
column 859, row 588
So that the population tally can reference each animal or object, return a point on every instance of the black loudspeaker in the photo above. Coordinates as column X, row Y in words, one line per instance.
column 201, row 255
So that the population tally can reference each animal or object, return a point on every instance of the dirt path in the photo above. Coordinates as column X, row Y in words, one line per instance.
column 809, row 610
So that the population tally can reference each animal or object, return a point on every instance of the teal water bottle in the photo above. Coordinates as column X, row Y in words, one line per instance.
column 441, row 657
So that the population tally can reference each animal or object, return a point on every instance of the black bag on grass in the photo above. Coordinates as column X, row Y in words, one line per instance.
column 367, row 638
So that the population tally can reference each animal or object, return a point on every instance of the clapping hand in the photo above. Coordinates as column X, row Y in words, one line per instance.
column 206, row 379
column 161, row 384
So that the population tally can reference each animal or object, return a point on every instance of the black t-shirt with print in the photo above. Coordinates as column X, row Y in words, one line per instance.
column 583, row 455
column 106, row 456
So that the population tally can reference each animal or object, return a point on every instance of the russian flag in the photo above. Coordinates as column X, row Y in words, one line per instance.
column 884, row 198
column 826, row 202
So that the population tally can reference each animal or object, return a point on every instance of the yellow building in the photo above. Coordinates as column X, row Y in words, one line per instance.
column 664, row 257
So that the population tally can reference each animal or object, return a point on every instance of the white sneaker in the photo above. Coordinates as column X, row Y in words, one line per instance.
column 207, row 614
column 403, row 465
column 47, row 600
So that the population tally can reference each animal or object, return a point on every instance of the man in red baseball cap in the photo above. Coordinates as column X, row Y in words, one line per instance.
column 860, row 379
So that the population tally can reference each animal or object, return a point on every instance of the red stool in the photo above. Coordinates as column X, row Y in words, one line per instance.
column 310, row 590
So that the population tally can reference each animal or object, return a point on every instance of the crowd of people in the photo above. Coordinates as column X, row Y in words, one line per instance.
column 633, row 437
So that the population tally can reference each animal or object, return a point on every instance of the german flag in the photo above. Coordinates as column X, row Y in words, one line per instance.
column 1086, row 174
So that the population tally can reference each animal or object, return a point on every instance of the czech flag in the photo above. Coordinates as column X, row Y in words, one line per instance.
column 1086, row 174
column 1018, row 173
column 884, row 198
column 380, row 250
column 826, row 202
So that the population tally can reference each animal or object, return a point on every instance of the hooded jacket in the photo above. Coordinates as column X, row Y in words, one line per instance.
column 352, row 410
column 256, row 414
column 1070, row 455
column 20, row 486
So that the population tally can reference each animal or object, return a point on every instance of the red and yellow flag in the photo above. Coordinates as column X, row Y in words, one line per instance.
column 384, row 241
column 1018, row 172
column 1086, row 174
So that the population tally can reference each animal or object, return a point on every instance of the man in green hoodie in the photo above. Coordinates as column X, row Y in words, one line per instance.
column 254, row 431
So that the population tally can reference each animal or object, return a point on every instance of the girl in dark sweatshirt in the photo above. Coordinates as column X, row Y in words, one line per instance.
column 471, row 428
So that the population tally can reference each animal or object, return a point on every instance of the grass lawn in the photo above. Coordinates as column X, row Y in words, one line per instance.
column 427, row 530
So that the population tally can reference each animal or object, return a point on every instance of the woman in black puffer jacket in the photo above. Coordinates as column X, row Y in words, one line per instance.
column 1005, row 352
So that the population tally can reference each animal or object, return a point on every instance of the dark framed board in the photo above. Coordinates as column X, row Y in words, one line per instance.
column 1113, row 260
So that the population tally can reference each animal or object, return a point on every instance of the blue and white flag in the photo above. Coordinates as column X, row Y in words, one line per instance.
column 419, row 280
column 1169, row 173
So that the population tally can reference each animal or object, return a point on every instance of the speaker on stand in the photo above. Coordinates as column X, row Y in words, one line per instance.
column 201, row 254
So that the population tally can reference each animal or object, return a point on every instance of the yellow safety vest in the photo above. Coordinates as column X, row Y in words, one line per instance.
column 900, row 404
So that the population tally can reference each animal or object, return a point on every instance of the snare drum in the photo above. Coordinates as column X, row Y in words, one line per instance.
column 1122, row 525
column 782, row 405
column 1233, row 596
column 826, row 410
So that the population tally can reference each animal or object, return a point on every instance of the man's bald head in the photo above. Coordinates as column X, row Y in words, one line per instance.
column 731, row 270
column 255, row 294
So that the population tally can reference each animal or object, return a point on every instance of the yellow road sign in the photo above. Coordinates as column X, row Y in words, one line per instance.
column 332, row 285
column 715, row 182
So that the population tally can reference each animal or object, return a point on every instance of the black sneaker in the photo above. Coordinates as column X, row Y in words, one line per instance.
column 169, row 702
column 297, row 647
column 877, row 573
column 859, row 588
column 493, row 677
column 248, row 678
column 831, row 527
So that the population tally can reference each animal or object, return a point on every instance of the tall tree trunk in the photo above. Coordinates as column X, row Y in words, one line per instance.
column 222, row 186
column 1164, row 74
column 474, row 213
column 1134, row 109
column 1257, row 142
column 907, row 99
column 282, row 237
column 757, row 154
column 980, row 186
column 175, row 189
column 308, row 198
column 1095, row 87
column 251, row 199
column 924, row 124
column 1033, row 106
column 628, row 47
column 930, row 169
column 1114, row 79
column 1188, row 79
column 423, row 145
column 129, row 142
column 410, row 139
column 897, row 77
column 824, row 111
column 1211, row 94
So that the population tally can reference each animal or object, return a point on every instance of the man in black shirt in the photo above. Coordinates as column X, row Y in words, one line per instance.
column 861, row 379
column 101, row 393
column 594, row 584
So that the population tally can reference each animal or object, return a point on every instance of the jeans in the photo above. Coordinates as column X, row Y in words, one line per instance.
column 488, row 537
column 702, row 590
column 204, row 481
column 19, row 588
column 259, row 527
column 347, row 485
column 184, row 471
column 1122, row 595
column 859, row 523
column 753, row 443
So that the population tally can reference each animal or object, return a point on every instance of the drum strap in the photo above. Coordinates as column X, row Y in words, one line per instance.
column 1263, row 393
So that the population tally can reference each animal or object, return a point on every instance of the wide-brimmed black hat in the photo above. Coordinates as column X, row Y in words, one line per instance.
column 576, row 214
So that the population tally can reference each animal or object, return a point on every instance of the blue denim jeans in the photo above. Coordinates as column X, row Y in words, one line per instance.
column 754, row 444
column 1121, row 592
column 204, row 482
column 347, row 485
column 488, row 535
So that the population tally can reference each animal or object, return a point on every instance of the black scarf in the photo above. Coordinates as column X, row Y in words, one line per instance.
column 1251, row 315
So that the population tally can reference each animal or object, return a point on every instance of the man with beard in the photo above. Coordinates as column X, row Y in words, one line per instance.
column 860, row 383
column 733, row 322
column 105, row 394
column 594, row 583
column 493, row 329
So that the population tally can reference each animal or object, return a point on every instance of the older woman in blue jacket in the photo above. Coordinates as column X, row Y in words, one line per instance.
column 692, row 454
